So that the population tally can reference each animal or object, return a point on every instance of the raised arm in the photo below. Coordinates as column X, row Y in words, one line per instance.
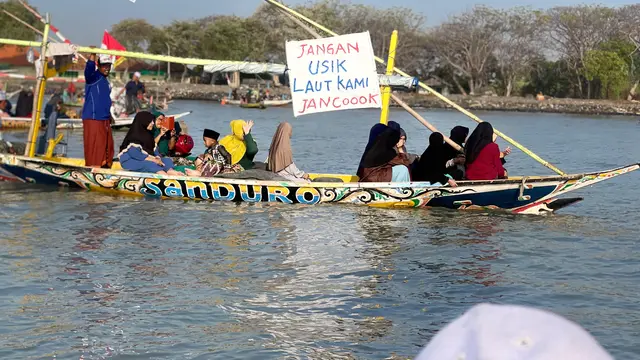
column 90, row 70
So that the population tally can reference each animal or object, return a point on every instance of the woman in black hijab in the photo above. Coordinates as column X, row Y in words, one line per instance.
column 432, row 164
column 138, row 150
column 382, row 163
column 375, row 131
column 24, row 106
column 456, row 158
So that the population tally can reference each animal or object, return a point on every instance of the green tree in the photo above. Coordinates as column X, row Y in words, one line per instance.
column 12, row 29
column 184, row 39
column 134, row 34
column 609, row 68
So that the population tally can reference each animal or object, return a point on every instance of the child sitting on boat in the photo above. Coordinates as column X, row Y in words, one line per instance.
column 139, row 152
column 216, row 159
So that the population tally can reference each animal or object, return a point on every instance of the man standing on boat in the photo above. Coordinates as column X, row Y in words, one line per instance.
column 132, row 89
column 96, row 113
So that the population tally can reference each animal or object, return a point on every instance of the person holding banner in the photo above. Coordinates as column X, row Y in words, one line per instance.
column 96, row 113
column 382, row 163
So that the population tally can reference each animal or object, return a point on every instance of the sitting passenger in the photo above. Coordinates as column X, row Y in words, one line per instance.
column 240, row 144
column 432, row 164
column 138, row 151
column 165, row 139
column 376, row 130
column 382, row 163
column 456, row 158
column 280, row 159
column 215, row 160
column 394, row 125
column 483, row 159
column 402, row 148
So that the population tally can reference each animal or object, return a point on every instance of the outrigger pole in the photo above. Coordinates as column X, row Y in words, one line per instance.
column 137, row 55
column 426, row 87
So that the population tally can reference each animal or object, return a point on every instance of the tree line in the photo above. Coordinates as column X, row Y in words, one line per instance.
column 584, row 51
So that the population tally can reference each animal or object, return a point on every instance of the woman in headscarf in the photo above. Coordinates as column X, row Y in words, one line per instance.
column 240, row 144
column 382, row 163
column 138, row 151
column 401, row 147
column 394, row 125
column 24, row 106
column 483, row 161
column 280, row 159
column 432, row 164
column 375, row 131
column 165, row 139
column 456, row 158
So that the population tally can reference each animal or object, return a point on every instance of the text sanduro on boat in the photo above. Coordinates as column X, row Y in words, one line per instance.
column 472, row 178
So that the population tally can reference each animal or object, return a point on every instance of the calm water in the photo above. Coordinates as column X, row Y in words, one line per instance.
column 91, row 276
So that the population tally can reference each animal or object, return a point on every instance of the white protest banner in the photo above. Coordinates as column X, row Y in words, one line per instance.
column 335, row 73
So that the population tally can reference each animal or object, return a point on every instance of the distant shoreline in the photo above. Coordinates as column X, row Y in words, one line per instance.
column 473, row 103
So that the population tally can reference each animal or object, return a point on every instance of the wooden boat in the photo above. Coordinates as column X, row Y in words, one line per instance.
column 253, row 106
column 519, row 195
column 266, row 103
column 15, row 123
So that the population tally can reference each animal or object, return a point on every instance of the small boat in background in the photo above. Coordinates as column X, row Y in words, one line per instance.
column 253, row 106
column 265, row 103
column 21, row 123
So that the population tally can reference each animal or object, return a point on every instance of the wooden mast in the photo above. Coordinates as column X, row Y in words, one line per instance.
column 34, row 130
column 386, row 90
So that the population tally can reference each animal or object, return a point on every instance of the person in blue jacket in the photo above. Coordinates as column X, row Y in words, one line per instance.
column 138, row 151
column 96, row 113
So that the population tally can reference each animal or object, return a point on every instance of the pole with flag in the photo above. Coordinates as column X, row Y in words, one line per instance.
column 110, row 43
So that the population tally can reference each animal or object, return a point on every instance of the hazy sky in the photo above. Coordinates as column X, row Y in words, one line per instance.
column 84, row 21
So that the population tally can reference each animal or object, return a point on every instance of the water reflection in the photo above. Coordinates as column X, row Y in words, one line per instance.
column 102, row 276
column 312, row 299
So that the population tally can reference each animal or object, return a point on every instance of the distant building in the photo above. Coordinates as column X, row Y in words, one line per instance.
column 14, row 58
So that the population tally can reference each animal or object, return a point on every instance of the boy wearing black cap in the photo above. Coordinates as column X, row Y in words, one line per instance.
column 216, row 159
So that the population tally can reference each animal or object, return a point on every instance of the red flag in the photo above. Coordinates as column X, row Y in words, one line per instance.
column 110, row 43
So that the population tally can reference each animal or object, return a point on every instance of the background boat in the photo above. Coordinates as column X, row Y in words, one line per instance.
column 266, row 103
column 20, row 123
column 253, row 106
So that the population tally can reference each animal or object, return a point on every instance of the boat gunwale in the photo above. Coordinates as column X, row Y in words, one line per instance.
column 378, row 185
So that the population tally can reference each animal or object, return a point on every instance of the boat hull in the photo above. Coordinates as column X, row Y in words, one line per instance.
column 14, row 123
column 266, row 103
column 532, row 195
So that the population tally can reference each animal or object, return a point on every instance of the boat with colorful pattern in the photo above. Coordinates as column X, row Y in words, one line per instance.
column 519, row 195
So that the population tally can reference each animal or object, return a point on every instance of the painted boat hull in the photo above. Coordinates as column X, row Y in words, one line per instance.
column 253, row 106
column 266, row 103
column 14, row 123
column 529, row 195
